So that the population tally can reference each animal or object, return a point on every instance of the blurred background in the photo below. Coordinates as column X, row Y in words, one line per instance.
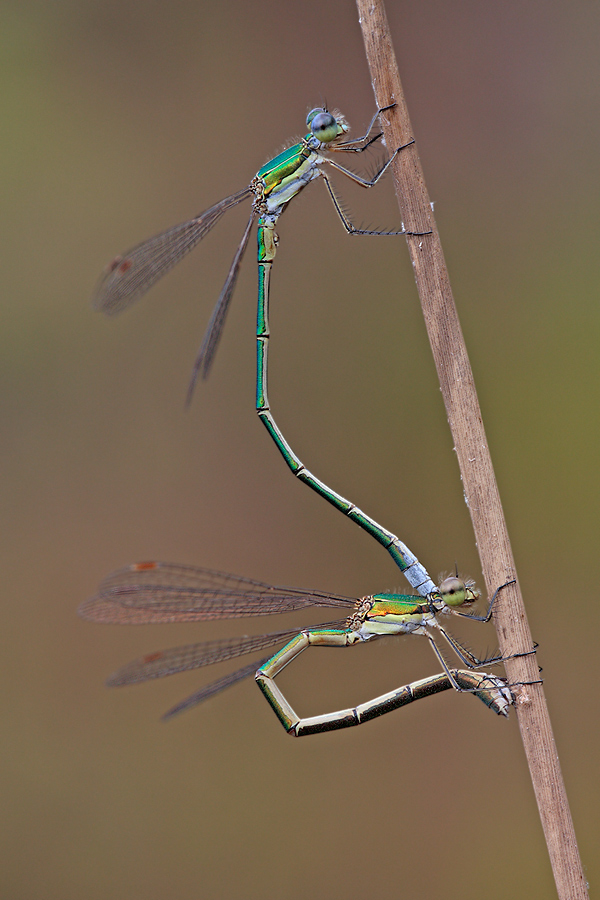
column 121, row 119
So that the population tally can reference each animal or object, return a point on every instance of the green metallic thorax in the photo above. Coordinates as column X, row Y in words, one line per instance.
column 283, row 177
column 397, row 605
column 283, row 166
column 390, row 614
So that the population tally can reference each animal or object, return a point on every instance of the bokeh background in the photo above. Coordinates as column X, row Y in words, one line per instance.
column 120, row 119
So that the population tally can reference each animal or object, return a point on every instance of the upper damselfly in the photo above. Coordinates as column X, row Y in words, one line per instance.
column 274, row 185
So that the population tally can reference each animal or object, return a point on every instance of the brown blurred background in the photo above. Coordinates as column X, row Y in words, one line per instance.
column 120, row 119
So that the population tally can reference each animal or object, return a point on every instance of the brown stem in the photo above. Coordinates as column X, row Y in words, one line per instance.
column 479, row 482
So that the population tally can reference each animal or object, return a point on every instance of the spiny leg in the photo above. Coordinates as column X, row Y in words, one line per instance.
column 350, row 228
column 449, row 675
column 464, row 654
column 486, row 618
column 366, row 183
column 345, row 147
column 488, row 614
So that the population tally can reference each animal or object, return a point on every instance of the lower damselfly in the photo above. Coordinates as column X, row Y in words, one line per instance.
column 155, row 592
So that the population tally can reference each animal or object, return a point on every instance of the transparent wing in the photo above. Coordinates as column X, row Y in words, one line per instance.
column 194, row 656
column 131, row 275
column 154, row 592
column 215, row 687
column 211, row 339
column 181, row 574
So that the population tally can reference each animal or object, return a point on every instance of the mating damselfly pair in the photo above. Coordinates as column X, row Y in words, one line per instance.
column 162, row 592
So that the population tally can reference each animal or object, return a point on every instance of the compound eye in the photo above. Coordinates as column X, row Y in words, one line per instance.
column 312, row 114
column 453, row 591
column 323, row 125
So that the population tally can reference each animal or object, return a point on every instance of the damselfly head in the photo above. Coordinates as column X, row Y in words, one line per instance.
column 456, row 592
column 326, row 126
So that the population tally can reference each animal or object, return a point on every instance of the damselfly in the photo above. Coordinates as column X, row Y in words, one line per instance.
column 155, row 592
column 274, row 185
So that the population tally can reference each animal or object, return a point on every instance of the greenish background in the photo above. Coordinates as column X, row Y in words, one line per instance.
column 120, row 119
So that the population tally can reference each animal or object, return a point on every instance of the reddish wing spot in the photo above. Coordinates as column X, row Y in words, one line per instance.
column 141, row 566
column 152, row 657
column 121, row 264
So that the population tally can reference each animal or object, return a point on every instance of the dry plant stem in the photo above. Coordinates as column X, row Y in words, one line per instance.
column 480, row 488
